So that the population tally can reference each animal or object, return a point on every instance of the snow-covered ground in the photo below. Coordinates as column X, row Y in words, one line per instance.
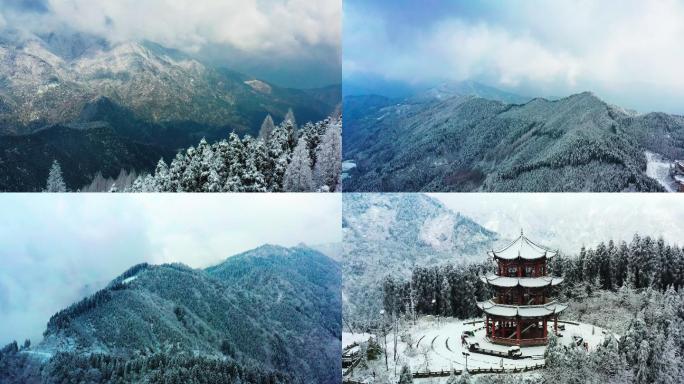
column 40, row 355
column 437, row 346
column 347, row 165
column 351, row 338
column 658, row 168
column 129, row 279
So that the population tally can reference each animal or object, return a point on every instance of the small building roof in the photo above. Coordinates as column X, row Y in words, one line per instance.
column 523, row 248
column 527, row 282
column 503, row 310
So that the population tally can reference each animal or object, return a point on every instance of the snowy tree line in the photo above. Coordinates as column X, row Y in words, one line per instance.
column 159, row 367
column 645, row 262
column 282, row 158
column 448, row 290
column 642, row 263
column 649, row 352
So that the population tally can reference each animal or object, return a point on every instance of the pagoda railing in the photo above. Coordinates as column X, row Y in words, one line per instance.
column 519, row 342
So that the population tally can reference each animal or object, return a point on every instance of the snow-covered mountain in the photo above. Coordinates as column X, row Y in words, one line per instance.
column 470, row 143
column 469, row 88
column 102, row 107
column 390, row 234
column 48, row 79
column 272, row 310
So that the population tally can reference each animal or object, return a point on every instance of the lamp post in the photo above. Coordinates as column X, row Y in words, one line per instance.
column 434, row 308
column 384, row 335
column 466, row 354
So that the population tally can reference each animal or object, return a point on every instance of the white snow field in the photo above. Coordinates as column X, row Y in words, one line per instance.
column 347, row 165
column 440, row 341
column 658, row 168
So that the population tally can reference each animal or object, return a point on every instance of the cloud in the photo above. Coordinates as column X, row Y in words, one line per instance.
column 57, row 249
column 568, row 221
column 295, row 33
column 628, row 51
column 281, row 27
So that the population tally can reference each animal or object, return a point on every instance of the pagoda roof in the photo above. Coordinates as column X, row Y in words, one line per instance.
column 503, row 310
column 527, row 282
column 522, row 248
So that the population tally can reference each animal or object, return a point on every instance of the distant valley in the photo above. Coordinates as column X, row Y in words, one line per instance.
column 470, row 137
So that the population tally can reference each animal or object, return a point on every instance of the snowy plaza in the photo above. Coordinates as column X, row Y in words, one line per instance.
column 437, row 346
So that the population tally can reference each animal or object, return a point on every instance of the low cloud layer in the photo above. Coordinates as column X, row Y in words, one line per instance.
column 567, row 221
column 57, row 249
column 251, row 33
column 629, row 52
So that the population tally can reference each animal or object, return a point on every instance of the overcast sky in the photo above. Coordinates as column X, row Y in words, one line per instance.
column 566, row 221
column 55, row 249
column 290, row 42
column 629, row 51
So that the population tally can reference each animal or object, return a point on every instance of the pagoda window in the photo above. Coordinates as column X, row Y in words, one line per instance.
column 529, row 270
column 512, row 270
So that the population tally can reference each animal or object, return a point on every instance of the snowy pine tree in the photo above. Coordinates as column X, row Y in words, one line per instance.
column 55, row 182
column 298, row 173
column 162, row 183
column 328, row 167
column 405, row 377
column 290, row 118
column 267, row 128
column 249, row 165
column 252, row 178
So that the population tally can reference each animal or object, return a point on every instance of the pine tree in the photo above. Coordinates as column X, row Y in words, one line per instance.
column 464, row 378
column 252, row 178
column 55, row 182
column 162, row 182
column 445, row 295
column 176, row 171
column 405, row 377
column 329, row 160
column 235, row 158
column 290, row 118
column 267, row 128
column 298, row 174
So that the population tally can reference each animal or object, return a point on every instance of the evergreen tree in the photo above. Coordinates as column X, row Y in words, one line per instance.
column 328, row 167
column 253, row 179
column 55, row 182
column 267, row 128
column 162, row 181
column 290, row 118
column 405, row 376
column 298, row 174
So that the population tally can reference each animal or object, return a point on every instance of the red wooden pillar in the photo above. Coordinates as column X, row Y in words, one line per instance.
column 487, row 325
column 493, row 327
column 545, row 328
column 517, row 328
column 555, row 324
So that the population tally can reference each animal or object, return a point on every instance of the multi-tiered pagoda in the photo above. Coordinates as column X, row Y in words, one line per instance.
column 521, row 309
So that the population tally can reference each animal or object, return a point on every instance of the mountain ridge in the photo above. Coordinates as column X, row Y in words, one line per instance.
column 577, row 143
column 272, row 323
column 140, row 95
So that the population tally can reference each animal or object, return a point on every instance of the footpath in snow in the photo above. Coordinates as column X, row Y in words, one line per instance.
column 436, row 346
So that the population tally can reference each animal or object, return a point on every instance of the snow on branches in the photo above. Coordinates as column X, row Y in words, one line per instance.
column 283, row 159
